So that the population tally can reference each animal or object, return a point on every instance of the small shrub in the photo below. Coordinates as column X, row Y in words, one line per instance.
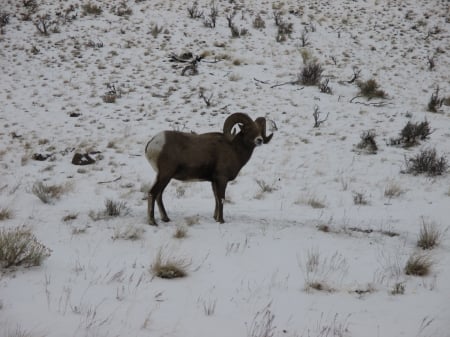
column 114, row 208
column 122, row 9
column 319, row 271
column 398, row 288
column 194, row 12
column 265, row 187
column 70, row 217
column 262, row 324
column 435, row 101
column 427, row 162
column 429, row 236
column 258, row 22
column 156, row 30
column 284, row 30
column 359, row 199
column 368, row 143
column 130, row 232
column 48, row 193
column 91, row 9
column 324, row 87
column 412, row 133
column 4, row 19
column 313, row 201
column 180, row 232
column 19, row 247
column 393, row 190
column 418, row 265
column 311, row 74
column 169, row 268
column 5, row 213
column 370, row 89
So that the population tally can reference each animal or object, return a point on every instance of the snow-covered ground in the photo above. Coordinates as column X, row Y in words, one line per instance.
column 291, row 216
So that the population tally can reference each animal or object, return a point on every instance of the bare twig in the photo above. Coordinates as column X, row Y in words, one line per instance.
column 375, row 104
column 316, row 115
column 110, row 181
column 356, row 73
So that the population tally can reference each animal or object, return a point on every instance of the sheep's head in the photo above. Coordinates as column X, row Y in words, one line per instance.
column 254, row 132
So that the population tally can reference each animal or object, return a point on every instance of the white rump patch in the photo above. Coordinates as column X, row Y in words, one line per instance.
column 154, row 148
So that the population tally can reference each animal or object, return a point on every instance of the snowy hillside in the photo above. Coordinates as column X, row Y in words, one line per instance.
column 320, row 223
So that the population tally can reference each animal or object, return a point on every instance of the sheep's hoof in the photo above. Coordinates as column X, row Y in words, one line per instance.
column 165, row 219
column 152, row 222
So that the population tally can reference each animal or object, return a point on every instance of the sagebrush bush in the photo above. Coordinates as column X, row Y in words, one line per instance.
column 311, row 74
column 258, row 22
column 370, row 89
column 368, row 143
column 427, row 162
column 413, row 132
column 91, row 9
column 435, row 101
column 19, row 247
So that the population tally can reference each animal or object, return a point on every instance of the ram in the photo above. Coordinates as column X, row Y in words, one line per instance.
column 216, row 157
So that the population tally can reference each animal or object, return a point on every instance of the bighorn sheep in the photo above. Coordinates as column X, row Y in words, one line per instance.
column 216, row 157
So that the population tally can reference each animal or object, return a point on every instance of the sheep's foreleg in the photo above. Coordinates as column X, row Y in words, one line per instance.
column 151, row 210
column 219, row 195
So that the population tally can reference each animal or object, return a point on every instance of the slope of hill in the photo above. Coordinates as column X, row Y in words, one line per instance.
column 319, row 225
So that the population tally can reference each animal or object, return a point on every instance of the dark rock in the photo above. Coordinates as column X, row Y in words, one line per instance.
column 82, row 159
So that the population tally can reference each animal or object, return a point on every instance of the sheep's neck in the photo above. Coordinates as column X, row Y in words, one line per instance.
column 243, row 151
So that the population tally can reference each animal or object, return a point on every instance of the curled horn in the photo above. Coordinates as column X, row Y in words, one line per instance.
column 261, row 122
column 236, row 118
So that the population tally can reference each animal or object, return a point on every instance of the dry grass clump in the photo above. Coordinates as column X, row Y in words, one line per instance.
column 19, row 247
column 320, row 272
column 112, row 209
column 5, row 213
column 130, row 232
column 418, row 265
column 393, row 190
column 167, row 267
column 429, row 236
column 313, row 201
column 180, row 232
column 398, row 288
column 48, row 193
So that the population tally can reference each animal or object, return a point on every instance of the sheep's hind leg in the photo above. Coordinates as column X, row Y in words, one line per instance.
column 162, row 210
column 155, row 194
